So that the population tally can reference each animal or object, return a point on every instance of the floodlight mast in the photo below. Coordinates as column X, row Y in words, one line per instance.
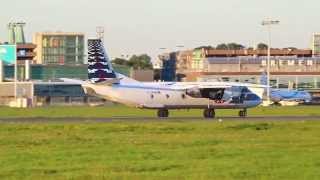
column 269, row 23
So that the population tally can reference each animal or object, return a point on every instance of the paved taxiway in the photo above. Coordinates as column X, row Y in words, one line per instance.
column 154, row 119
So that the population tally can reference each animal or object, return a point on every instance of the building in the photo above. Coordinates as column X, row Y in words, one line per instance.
column 59, row 48
column 169, row 62
column 46, row 87
column 289, row 68
column 286, row 72
column 25, row 51
column 142, row 75
column 51, row 73
column 316, row 44
column 33, row 94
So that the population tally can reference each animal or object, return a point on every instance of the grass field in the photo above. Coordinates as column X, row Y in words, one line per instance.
column 121, row 111
column 158, row 149
column 161, row 150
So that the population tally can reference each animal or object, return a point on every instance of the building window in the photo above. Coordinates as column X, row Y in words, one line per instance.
column 225, row 79
column 283, row 62
column 291, row 63
column 301, row 62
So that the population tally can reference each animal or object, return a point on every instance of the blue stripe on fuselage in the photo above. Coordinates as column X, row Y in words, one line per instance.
column 144, row 87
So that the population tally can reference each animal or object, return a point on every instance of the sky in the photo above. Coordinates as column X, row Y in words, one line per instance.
column 146, row 26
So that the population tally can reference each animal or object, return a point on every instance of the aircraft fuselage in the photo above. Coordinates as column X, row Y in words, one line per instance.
column 166, row 97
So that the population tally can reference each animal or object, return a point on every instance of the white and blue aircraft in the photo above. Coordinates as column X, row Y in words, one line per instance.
column 290, row 97
column 287, row 97
column 104, row 82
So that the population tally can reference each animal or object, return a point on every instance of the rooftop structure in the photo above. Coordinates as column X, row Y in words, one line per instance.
column 253, row 52
column 24, row 51
column 16, row 33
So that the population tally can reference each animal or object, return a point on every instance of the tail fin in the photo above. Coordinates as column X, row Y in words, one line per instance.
column 99, row 66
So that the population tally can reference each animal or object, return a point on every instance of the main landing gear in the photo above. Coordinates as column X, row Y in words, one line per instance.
column 209, row 113
column 243, row 113
column 163, row 113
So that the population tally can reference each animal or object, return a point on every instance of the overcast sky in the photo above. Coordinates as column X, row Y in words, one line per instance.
column 143, row 26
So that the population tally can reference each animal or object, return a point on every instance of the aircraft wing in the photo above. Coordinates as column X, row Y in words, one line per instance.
column 73, row 81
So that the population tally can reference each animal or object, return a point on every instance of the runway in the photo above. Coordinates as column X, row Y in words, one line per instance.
column 153, row 119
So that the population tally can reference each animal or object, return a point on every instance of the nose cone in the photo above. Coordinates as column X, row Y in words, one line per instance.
column 253, row 100
column 258, row 102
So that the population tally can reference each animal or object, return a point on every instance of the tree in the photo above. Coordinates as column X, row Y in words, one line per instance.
column 262, row 46
column 204, row 47
column 235, row 46
column 120, row 61
column 230, row 46
column 140, row 62
column 222, row 46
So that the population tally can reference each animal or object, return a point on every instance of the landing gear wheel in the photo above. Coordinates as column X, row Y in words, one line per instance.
column 243, row 113
column 163, row 113
column 209, row 113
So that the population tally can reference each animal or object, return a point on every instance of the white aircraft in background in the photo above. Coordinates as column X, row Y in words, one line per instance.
column 287, row 97
column 105, row 83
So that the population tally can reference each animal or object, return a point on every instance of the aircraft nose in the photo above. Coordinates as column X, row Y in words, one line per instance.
column 258, row 102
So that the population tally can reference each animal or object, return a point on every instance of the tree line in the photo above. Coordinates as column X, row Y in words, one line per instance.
column 235, row 46
column 142, row 61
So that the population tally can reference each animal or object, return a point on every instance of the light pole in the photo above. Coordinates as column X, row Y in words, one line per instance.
column 269, row 23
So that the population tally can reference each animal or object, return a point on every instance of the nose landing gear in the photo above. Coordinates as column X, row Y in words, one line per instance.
column 243, row 113
column 209, row 113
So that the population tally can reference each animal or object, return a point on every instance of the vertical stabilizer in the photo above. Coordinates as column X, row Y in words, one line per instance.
column 99, row 66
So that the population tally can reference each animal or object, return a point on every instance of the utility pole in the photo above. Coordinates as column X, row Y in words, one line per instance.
column 269, row 23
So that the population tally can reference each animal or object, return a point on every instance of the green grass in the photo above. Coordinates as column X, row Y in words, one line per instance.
column 118, row 111
column 161, row 150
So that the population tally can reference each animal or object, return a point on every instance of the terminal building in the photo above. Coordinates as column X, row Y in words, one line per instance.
column 289, row 68
column 33, row 93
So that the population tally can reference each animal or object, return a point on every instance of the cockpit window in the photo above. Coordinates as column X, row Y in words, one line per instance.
column 237, row 94
column 234, row 94
column 251, row 97
column 245, row 90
